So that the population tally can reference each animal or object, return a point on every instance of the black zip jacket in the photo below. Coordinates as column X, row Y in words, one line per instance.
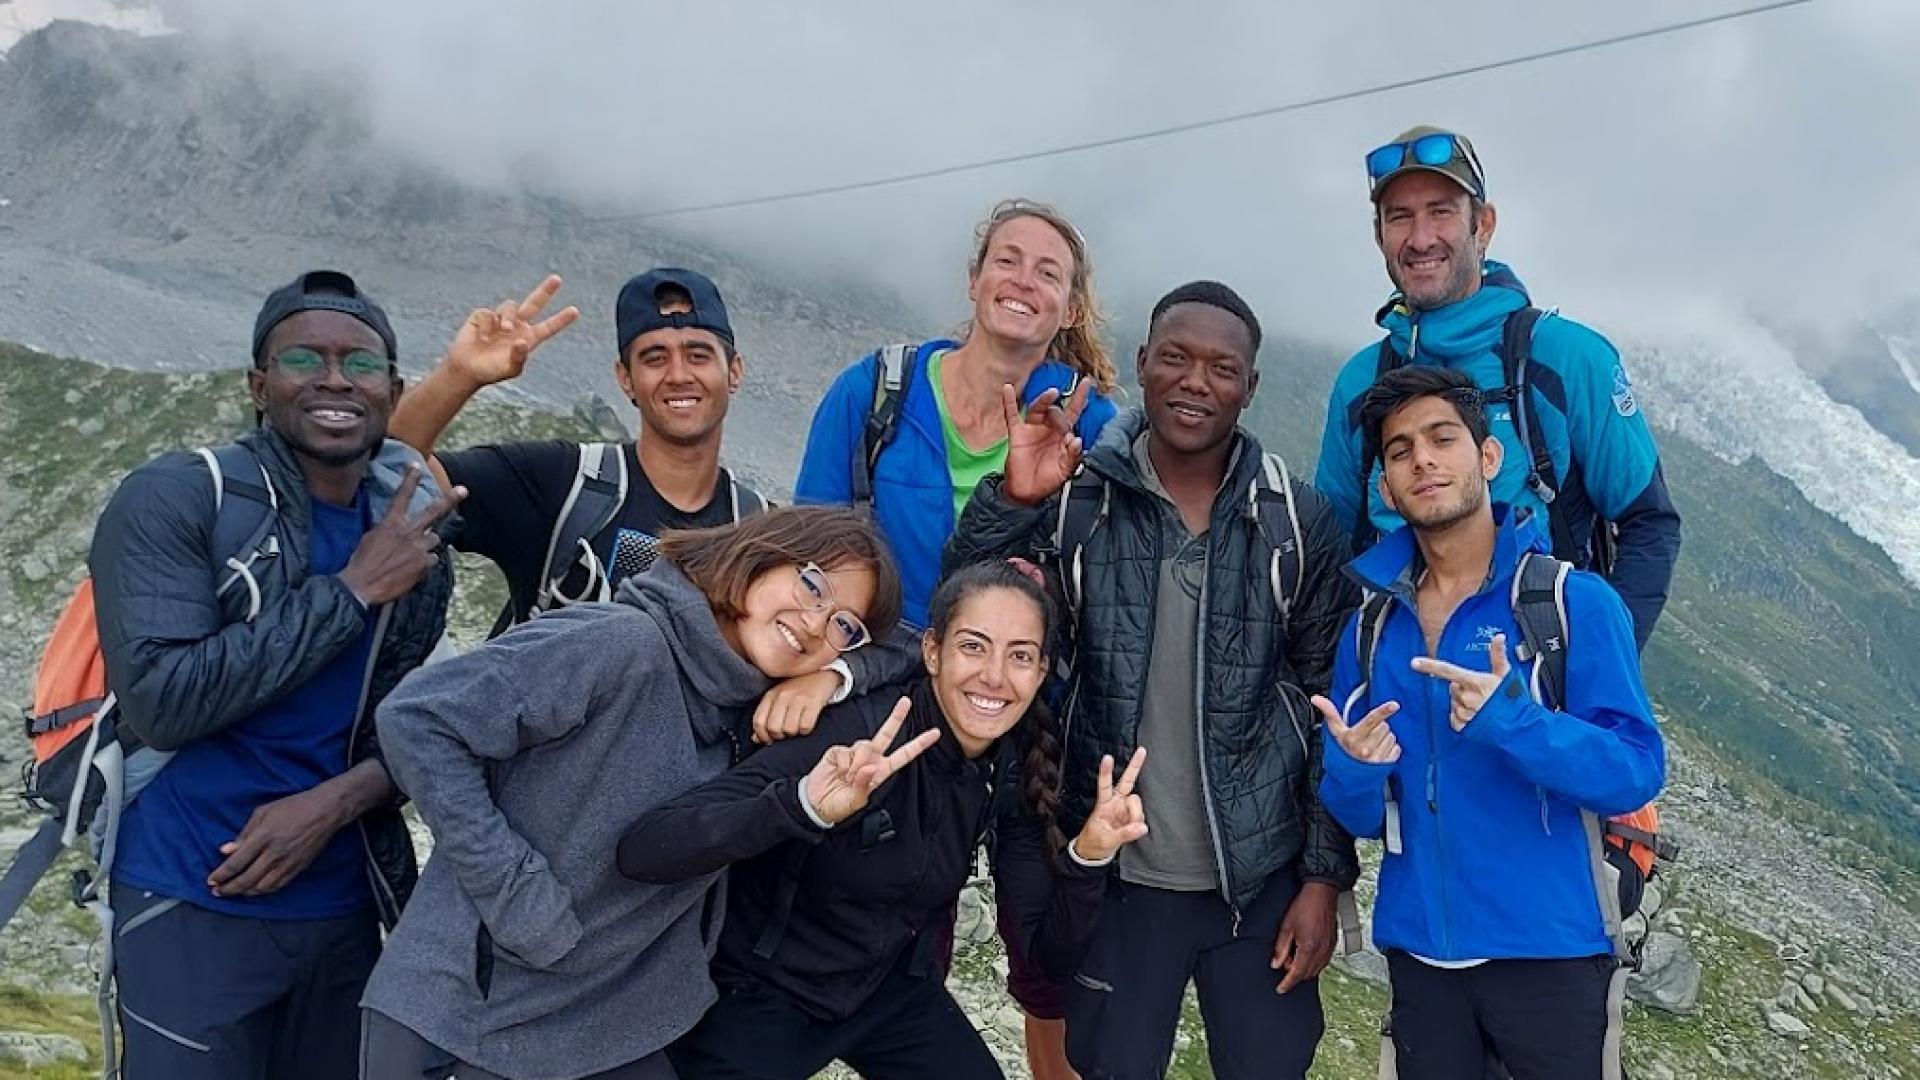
column 863, row 892
column 1259, row 734
column 185, row 664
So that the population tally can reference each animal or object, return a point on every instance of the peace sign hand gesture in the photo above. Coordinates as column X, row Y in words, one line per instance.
column 1118, row 819
column 395, row 554
column 843, row 780
column 1370, row 741
column 494, row 343
column 1042, row 449
column 1469, row 689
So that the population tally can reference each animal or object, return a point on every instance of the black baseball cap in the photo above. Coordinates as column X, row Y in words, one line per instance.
column 321, row 290
column 638, row 310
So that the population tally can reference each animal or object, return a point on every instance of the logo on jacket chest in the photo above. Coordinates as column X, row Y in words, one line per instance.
column 1483, row 639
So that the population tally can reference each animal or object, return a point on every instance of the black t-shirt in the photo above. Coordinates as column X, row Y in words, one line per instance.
column 514, row 495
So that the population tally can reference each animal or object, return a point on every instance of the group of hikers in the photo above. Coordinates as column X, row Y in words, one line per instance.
column 705, row 803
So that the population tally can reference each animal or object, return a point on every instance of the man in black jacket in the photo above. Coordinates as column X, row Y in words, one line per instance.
column 264, row 846
column 1180, row 647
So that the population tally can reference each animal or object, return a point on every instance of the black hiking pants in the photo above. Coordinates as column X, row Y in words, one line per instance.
column 909, row 1029
column 1542, row 1019
column 1123, row 1008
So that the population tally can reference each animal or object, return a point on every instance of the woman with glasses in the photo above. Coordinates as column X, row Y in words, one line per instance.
column 849, row 847
column 523, row 951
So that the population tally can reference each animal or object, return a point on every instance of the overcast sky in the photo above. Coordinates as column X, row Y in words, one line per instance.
column 1767, row 164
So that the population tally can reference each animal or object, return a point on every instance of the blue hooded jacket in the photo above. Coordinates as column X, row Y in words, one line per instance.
column 1586, row 412
column 912, row 489
column 1495, row 861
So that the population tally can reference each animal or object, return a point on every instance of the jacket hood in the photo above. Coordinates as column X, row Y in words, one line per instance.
column 1460, row 328
column 717, row 673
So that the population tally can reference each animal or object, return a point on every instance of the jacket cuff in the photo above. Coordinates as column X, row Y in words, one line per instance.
column 840, row 668
column 806, row 806
column 1502, row 711
column 1073, row 855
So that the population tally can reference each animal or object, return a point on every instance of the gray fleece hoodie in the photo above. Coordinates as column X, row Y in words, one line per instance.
column 523, row 951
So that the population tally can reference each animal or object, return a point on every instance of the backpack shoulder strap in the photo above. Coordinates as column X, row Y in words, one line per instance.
column 246, row 507
column 1540, row 607
column 599, row 490
column 1363, row 532
column 893, row 373
column 1516, row 362
column 1083, row 506
column 1270, row 501
column 746, row 501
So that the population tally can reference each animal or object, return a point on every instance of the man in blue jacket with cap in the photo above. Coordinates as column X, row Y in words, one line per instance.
column 1578, row 451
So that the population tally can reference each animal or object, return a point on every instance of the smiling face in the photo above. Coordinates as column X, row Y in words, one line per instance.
column 989, row 666
column 784, row 630
column 1021, row 290
column 1432, row 238
column 1432, row 472
column 326, row 416
column 1197, row 375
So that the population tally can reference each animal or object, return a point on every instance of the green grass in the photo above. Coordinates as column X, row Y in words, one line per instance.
column 45, row 1014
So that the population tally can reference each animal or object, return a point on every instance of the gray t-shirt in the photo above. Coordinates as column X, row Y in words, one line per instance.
column 1177, row 852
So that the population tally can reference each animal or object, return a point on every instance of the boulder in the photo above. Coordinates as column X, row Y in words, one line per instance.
column 1669, row 976
column 1787, row 1025
column 39, row 1051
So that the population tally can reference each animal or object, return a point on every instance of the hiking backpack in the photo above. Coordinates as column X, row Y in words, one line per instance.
column 1516, row 391
column 81, row 774
column 1632, row 845
column 598, row 492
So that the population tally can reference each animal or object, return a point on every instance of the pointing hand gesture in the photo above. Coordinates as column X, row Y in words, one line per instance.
column 1118, row 819
column 1469, row 689
column 494, row 343
column 1371, row 740
column 1042, row 449
column 839, row 786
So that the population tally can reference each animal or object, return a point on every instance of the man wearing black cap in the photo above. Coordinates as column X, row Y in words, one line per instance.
column 1580, row 455
column 566, row 521
column 255, row 602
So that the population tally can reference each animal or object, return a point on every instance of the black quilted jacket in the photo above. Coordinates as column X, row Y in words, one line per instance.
column 1262, row 737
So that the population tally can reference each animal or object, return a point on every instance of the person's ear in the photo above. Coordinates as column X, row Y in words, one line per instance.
column 1492, row 453
column 930, row 653
column 624, row 377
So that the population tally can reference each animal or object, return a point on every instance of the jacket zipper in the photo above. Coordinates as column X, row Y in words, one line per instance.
column 1200, row 733
column 382, row 891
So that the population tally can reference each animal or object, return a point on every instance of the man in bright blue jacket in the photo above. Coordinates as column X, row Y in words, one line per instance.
column 1433, row 224
column 1495, row 907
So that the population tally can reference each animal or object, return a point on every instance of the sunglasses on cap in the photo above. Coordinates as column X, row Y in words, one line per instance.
column 1436, row 151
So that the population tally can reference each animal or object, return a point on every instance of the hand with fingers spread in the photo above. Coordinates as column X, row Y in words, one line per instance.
column 840, row 785
column 1468, row 689
column 494, row 343
column 1370, row 741
column 396, row 553
column 1042, row 449
column 793, row 706
column 1118, row 819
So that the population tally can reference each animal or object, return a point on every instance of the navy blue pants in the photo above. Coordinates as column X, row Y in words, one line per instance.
column 1543, row 1019
column 209, row 996
column 1123, row 1008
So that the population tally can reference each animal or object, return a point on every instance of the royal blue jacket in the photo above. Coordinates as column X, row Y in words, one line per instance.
column 1495, row 860
column 1585, row 411
column 912, row 489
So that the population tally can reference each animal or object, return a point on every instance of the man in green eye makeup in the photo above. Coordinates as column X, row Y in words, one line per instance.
column 255, row 603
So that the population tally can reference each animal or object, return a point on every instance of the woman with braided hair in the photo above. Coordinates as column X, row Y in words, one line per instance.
column 849, row 846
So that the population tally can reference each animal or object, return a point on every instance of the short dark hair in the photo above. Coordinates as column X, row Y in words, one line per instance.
column 724, row 561
column 1212, row 294
column 1397, row 388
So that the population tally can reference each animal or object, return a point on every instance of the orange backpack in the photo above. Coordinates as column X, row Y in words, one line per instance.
column 76, row 774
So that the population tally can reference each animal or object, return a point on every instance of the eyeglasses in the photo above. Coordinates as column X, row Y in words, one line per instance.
column 360, row 365
column 813, row 591
column 1437, row 150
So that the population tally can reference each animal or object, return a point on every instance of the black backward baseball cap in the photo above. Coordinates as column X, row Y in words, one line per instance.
column 321, row 290
column 638, row 309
